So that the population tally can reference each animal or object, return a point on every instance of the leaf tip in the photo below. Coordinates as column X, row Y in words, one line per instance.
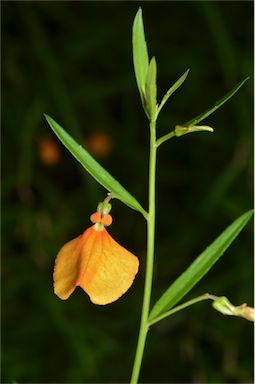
column 47, row 117
column 139, row 14
column 153, row 60
column 250, row 213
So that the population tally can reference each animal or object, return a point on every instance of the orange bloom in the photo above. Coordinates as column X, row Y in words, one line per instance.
column 99, row 144
column 95, row 262
column 48, row 151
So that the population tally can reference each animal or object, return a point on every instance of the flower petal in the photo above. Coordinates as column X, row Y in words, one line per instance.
column 107, row 269
column 66, row 268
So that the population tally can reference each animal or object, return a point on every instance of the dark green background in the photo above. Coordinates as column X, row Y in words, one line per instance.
column 73, row 60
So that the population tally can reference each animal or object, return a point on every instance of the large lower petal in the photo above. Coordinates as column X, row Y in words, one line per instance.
column 107, row 269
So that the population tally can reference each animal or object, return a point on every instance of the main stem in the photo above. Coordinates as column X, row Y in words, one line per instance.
column 150, row 257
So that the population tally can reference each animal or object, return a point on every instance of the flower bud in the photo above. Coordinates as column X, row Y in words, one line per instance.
column 181, row 130
column 223, row 305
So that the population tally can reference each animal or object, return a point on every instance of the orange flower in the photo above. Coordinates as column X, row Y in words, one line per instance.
column 99, row 144
column 48, row 151
column 95, row 262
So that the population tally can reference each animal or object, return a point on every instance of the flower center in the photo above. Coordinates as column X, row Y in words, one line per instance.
column 101, row 219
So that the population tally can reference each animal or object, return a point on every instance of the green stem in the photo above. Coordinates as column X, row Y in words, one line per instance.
column 164, row 138
column 206, row 296
column 150, row 257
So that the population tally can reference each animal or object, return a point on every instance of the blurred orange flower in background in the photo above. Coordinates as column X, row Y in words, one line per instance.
column 96, row 262
column 48, row 151
column 99, row 144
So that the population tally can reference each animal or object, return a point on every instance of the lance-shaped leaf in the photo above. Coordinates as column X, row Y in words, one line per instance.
column 151, row 89
column 191, row 126
column 217, row 105
column 171, row 90
column 94, row 168
column 203, row 263
column 140, row 53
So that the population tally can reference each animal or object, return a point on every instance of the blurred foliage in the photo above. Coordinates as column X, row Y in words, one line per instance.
column 73, row 61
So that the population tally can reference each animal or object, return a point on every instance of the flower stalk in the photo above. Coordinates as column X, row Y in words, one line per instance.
column 144, row 325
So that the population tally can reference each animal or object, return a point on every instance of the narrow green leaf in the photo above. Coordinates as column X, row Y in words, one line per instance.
column 140, row 53
column 186, row 281
column 171, row 90
column 94, row 168
column 151, row 89
column 217, row 105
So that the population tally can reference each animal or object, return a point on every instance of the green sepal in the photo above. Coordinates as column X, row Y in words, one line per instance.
column 104, row 208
